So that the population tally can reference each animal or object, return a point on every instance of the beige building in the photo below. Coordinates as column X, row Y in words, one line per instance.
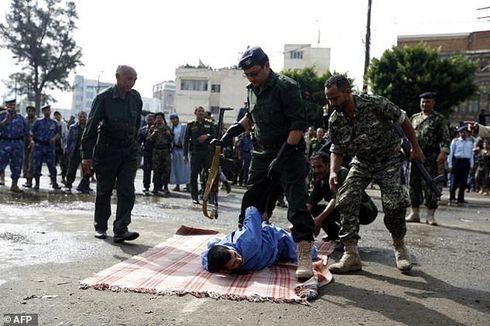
column 300, row 56
column 209, row 88
column 476, row 45
column 165, row 92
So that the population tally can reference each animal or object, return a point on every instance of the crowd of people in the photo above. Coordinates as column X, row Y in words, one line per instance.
column 322, row 171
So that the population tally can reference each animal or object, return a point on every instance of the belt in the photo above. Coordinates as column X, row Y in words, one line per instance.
column 14, row 138
column 269, row 146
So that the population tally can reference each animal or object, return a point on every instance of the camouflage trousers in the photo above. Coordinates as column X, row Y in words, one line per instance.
column 28, row 167
column 419, row 190
column 161, row 165
column 12, row 152
column 394, row 196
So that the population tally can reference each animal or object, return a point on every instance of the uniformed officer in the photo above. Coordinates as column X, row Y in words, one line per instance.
column 362, row 126
column 278, row 162
column 161, row 138
column 199, row 133
column 109, row 145
column 147, row 152
column 431, row 129
column 45, row 133
column 27, row 167
column 73, row 157
column 13, row 131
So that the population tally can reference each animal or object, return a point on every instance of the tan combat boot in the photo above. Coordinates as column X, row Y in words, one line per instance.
column 414, row 215
column 14, row 187
column 350, row 261
column 401, row 255
column 430, row 217
column 305, row 269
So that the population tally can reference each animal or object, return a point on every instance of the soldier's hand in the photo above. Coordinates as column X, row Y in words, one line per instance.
column 441, row 158
column 201, row 139
column 332, row 181
column 87, row 166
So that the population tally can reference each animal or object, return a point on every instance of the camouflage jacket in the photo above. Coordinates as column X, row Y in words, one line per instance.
column 432, row 132
column 369, row 137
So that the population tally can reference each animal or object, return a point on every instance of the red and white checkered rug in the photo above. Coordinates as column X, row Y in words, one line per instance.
column 174, row 267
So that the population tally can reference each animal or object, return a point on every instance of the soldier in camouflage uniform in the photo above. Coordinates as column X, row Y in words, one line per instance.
column 278, row 116
column 198, row 134
column 161, row 138
column 361, row 126
column 27, row 167
column 432, row 133
column 45, row 132
column 13, row 131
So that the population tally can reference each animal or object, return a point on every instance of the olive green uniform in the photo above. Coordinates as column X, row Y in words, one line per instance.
column 433, row 137
column 162, row 147
column 201, row 153
column 369, row 137
column 110, row 139
column 276, row 108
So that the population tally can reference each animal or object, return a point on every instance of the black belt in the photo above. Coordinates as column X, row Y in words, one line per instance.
column 16, row 138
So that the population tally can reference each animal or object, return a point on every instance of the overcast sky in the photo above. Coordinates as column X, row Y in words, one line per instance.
column 155, row 37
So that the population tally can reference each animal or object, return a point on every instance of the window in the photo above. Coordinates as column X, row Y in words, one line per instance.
column 215, row 88
column 472, row 106
column 214, row 111
column 194, row 85
column 296, row 55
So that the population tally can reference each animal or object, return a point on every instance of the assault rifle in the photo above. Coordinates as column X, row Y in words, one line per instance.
column 406, row 147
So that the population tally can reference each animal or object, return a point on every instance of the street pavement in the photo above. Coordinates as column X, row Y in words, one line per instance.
column 47, row 247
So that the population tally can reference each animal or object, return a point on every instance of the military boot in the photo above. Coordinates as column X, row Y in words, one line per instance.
column 14, row 187
column 54, row 184
column 414, row 215
column 430, row 217
column 401, row 254
column 350, row 261
column 28, row 183
column 2, row 178
column 36, row 183
column 304, row 269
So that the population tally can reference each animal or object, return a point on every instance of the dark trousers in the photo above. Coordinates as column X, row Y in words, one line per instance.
column 73, row 164
column 459, row 178
column 115, row 166
column 200, row 161
column 262, row 191
column 147, row 167
column 331, row 225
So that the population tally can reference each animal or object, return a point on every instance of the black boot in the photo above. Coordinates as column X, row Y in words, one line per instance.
column 28, row 183
column 54, row 184
column 36, row 185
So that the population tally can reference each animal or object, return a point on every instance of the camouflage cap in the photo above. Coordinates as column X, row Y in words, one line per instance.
column 251, row 57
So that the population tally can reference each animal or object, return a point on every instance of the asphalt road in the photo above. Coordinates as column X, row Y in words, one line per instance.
column 47, row 247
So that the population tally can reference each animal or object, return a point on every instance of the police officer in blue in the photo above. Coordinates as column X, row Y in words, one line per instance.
column 45, row 132
column 13, row 131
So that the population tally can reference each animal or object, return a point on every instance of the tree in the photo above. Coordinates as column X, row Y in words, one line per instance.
column 40, row 37
column 401, row 74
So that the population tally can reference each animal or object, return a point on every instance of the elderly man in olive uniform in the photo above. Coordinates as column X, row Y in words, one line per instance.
column 109, row 145
column 278, row 116
column 431, row 129
column 362, row 126
column 199, row 133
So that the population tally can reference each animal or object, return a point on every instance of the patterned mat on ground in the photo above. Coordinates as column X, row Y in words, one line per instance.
column 174, row 267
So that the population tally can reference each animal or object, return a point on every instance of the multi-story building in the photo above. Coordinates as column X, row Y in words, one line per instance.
column 300, row 56
column 476, row 45
column 165, row 92
column 84, row 91
column 209, row 88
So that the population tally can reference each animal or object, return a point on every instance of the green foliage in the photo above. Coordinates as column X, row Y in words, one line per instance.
column 40, row 36
column 401, row 74
column 312, row 83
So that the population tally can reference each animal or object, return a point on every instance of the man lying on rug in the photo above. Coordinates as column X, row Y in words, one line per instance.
column 255, row 246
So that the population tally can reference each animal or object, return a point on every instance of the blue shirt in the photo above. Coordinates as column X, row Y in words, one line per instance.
column 260, row 244
column 43, row 130
column 461, row 148
column 16, row 129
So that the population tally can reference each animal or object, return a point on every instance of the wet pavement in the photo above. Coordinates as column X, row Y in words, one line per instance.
column 47, row 247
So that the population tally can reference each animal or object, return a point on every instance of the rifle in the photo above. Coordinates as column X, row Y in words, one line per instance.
column 211, row 191
column 406, row 147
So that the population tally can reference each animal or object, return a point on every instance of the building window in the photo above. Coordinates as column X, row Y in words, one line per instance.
column 214, row 111
column 296, row 55
column 472, row 106
column 194, row 85
column 215, row 88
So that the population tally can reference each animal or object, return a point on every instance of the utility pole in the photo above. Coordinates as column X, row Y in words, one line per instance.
column 368, row 46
